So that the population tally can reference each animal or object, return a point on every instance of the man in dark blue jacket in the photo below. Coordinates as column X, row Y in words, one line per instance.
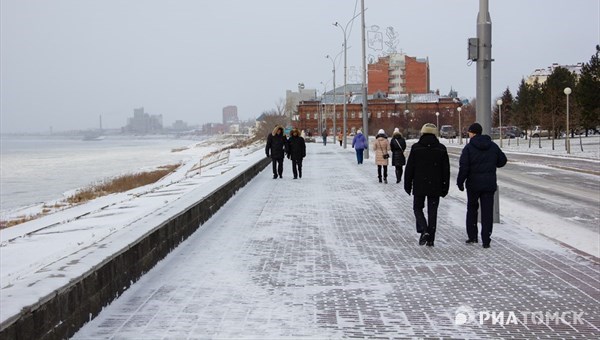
column 478, row 163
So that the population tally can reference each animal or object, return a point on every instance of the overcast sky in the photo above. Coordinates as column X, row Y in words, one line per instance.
column 66, row 62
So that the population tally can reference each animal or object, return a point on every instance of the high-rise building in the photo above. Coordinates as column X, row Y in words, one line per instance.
column 230, row 115
column 143, row 122
column 398, row 73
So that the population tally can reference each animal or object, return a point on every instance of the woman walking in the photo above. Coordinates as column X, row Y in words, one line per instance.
column 359, row 143
column 398, row 145
column 296, row 151
column 382, row 149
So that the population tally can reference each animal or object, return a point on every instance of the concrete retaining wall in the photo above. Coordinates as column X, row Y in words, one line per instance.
column 62, row 314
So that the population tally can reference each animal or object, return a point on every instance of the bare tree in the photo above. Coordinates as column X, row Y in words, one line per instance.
column 270, row 119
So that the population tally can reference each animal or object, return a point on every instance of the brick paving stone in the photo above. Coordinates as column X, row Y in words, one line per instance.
column 335, row 255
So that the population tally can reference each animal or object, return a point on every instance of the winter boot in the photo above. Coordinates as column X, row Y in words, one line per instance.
column 423, row 239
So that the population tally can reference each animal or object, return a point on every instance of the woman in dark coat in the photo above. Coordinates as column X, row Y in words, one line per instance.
column 398, row 145
column 427, row 176
column 296, row 151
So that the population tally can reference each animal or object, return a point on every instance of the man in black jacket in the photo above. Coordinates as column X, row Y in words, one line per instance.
column 276, row 144
column 478, row 162
column 427, row 175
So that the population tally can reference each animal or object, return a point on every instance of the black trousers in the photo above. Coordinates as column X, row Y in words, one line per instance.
column 487, row 211
column 384, row 171
column 428, row 225
column 398, row 172
column 277, row 166
column 297, row 167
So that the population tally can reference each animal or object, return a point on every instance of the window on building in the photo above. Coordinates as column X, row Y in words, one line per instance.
column 308, row 116
column 353, row 115
column 379, row 114
column 316, row 116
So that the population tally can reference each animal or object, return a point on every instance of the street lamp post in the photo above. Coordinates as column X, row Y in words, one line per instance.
column 459, row 126
column 334, row 95
column 324, row 106
column 568, row 92
column 345, row 71
column 499, row 102
column 437, row 121
column 406, row 112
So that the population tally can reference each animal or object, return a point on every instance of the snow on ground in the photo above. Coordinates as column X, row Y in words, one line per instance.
column 31, row 252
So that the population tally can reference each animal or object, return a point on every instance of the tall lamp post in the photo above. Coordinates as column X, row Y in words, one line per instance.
column 345, row 71
column 437, row 121
column 459, row 126
column 499, row 103
column 568, row 92
column 324, row 106
column 334, row 93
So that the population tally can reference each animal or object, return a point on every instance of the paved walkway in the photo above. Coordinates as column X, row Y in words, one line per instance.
column 335, row 255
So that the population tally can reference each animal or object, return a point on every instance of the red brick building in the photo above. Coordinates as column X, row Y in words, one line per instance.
column 397, row 74
column 407, row 112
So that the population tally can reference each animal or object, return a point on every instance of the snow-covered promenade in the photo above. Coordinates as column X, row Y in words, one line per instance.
column 331, row 255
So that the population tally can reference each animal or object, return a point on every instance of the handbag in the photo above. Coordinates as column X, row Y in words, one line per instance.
column 385, row 155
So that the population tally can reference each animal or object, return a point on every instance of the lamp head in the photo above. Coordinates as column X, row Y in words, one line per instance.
column 499, row 102
column 459, row 109
column 567, row 91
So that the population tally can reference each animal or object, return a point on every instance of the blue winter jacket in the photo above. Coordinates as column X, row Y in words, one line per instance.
column 478, row 162
column 359, row 141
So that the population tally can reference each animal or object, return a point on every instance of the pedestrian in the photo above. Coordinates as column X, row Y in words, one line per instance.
column 382, row 154
column 276, row 144
column 340, row 137
column 296, row 152
column 324, row 135
column 398, row 145
column 359, row 143
column 477, row 166
column 427, row 175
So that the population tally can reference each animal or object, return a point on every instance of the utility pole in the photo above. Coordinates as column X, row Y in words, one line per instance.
column 480, row 50
column 364, row 81
column 484, row 67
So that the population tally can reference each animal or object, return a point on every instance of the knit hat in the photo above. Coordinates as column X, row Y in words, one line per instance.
column 381, row 132
column 476, row 128
column 396, row 130
column 429, row 128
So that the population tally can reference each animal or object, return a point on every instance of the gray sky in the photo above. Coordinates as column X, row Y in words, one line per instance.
column 65, row 62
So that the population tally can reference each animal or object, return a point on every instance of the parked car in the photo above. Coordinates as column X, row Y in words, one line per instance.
column 506, row 133
column 515, row 131
column 537, row 131
column 447, row 131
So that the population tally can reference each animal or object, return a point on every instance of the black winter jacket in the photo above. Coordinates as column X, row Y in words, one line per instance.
column 276, row 144
column 478, row 162
column 428, row 168
column 296, row 148
column 398, row 145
